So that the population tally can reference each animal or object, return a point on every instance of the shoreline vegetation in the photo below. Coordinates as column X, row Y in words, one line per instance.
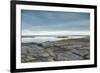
column 59, row 50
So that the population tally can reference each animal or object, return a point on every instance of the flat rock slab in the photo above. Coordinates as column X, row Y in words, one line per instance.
column 55, row 51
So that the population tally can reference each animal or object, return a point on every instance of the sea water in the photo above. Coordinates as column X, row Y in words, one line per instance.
column 44, row 39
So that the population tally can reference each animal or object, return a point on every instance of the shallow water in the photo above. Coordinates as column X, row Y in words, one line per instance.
column 40, row 39
column 44, row 39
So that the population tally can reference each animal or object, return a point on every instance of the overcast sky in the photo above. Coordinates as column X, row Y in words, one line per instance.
column 50, row 21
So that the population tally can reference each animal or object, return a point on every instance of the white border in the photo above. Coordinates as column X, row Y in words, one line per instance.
column 20, row 65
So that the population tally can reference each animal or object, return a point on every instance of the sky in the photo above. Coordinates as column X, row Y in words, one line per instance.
column 36, row 22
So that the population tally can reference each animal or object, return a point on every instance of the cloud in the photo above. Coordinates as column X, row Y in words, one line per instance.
column 36, row 21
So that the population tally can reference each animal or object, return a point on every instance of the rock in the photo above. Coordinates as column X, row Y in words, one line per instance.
column 67, row 56
column 56, row 51
column 34, row 52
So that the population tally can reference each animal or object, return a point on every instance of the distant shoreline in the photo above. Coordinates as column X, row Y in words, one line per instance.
column 50, row 35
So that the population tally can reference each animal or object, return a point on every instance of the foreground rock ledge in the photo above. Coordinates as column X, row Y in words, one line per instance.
column 63, row 50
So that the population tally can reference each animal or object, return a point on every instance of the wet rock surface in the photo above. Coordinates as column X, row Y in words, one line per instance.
column 63, row 50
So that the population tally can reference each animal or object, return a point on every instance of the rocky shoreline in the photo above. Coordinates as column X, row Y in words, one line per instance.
column 63, row 50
